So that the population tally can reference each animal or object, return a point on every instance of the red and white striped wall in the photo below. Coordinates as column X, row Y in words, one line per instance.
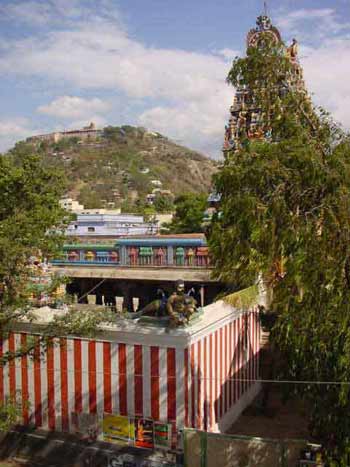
column 194, row 385
column 222, row 369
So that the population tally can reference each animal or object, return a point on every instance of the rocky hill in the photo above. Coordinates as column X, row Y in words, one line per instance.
column 125, row 164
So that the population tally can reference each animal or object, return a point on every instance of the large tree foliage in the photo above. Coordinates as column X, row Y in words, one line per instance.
column 189, row 214
column 31, row 224
column 285, row 216
column 31, row 221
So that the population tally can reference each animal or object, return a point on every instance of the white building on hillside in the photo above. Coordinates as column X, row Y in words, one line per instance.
column 110, row 226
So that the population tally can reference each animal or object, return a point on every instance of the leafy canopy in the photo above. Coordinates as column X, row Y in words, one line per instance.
column 189, row 213
column 31, row 223
column 285, row 216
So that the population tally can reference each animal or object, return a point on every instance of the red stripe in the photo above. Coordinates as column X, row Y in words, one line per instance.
column 77, row 376
column 24, row 373
column 155, row 383
column 37, row 384
column 107, row 378
column 199, row 385
column 92, row 376
column 138, row 380
column 50, row 386
column 193, row 393
column 211, row 382
column 216, row 376
column 171, row 384
column 227, row 382
column 205, row 382
column 186, row 386
column 12, row 368
column 122, row 380
column 64, row 384
column 1, row 374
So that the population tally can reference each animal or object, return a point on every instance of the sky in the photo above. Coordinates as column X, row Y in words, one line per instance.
column 159, row 64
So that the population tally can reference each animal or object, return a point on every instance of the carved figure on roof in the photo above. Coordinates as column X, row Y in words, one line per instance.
column 292, row 50
column 263, row 23
column 227, row 133
column 264, row 28
column 180, row 306
column 157, row 307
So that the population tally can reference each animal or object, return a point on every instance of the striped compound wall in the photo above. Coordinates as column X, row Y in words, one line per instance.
column 198, row 377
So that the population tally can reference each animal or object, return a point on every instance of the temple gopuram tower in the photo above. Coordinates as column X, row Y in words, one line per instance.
column 246, row 120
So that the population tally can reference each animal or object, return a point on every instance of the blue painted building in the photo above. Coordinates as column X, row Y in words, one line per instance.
column 156, row 251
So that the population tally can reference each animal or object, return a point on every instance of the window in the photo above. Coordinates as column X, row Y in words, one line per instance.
column 91, row 229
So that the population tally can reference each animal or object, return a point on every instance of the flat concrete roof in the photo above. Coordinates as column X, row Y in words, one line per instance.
column 130, row 331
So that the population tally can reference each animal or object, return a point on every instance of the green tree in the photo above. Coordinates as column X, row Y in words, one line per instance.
column 285, row 217
column 163, row 204
column 31, row 223
column 189, row 213
column 89, row 198
column 113, row 133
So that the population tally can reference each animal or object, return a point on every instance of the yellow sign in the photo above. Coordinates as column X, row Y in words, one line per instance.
column 117, row 427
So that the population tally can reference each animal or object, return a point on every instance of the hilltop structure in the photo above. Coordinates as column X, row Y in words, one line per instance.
column 89, row 132
column 246, row 120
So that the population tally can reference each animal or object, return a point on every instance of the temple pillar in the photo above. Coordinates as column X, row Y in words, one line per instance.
column 99, row 299
column 201, row 294
column 83, row 292
column 143, row 301
column 127, row 298
column 170, row 255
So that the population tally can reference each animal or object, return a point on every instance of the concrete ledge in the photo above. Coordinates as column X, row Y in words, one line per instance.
column 137, row 273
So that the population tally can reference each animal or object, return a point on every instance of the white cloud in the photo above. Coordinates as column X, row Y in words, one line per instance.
column 12, row 130
column 55, row 12
column 199, row 125
column 326, row 69
column 72, row 107
column 182, row 94
column 99, row 54
column 228, row 54
column 312, row 24
column 105, row 57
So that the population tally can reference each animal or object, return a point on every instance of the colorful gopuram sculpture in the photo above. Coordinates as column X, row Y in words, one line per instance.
column 246, row 120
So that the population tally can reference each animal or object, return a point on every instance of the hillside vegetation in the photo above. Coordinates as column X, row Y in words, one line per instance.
column 120, row 165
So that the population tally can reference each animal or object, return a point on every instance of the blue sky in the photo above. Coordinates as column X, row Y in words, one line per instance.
column 154, row 63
